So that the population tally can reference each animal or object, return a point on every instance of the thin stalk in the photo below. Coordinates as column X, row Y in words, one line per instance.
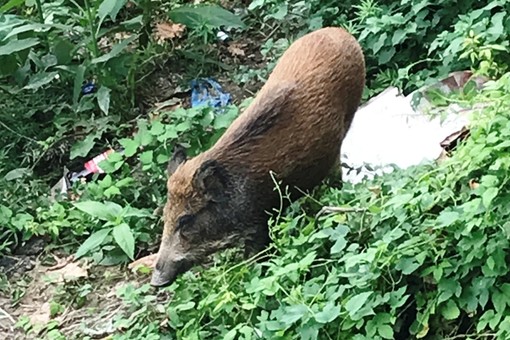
column 92, row 28
column 40, row 15
column 39, row 11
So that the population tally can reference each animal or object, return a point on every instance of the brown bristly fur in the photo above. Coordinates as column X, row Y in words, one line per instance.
column 294, row 128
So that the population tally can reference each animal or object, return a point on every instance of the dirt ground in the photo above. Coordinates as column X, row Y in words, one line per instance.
column 35, row 283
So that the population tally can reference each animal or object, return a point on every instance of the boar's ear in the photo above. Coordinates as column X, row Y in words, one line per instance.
column 178, row 158
column 211, row 179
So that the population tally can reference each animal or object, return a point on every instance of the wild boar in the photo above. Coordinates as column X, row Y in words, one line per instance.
column 293, row 128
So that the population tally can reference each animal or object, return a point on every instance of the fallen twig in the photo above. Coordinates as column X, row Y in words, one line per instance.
column 7, row 316
column 337, row 210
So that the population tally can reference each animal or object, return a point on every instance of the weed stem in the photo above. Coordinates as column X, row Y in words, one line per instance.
column 92, row 28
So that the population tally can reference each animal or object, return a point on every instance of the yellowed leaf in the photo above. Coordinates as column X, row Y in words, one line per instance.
column 147, row 261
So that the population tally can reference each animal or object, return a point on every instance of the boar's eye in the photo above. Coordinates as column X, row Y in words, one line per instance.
column 184, row 221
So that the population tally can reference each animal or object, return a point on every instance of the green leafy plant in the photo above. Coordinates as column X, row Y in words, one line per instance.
column 420, row 250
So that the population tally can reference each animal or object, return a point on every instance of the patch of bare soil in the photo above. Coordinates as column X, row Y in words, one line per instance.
column 78, row 298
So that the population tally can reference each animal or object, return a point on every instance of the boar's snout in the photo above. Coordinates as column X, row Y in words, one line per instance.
column 166, row 271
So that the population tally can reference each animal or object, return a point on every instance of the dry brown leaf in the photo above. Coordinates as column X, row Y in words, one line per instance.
column 70, row 272
column 42, row 315
column 147, row 261
column 168, row 31
column 119, row 36
column 236, row 50
column 168, row 105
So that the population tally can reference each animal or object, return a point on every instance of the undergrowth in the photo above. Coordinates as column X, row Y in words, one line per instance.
column 423, row 255
column 423, row 252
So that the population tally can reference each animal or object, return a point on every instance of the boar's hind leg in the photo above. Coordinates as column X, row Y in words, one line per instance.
column 334, row 178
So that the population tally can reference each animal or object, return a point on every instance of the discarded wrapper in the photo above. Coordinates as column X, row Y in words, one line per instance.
column 222, row 36
column 88, row 88
column 208, row 92
column 395, row 130
column 91, row 167
column 61, row 189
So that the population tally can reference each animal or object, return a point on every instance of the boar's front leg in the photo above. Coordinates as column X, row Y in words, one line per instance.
column 258, row 242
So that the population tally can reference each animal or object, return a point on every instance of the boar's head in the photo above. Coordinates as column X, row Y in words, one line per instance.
column 198, row 217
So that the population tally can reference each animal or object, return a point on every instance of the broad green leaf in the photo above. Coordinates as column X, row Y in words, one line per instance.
column 123, row 235
column 386, row 54
column 184, row 126
column 328, row 314
column 62, row 49
column 230, row 334
column 5, row 214
column 161, row 159
column 110, row 8
column 83, row 147
column 157, row 128
column 130, row 146
column 134, row 23
column 450, row 311
column 48, row 61
column 185, row 306
column 407, row 265
column 146, row 157
column 78, row 82
column 95, row 209
column 130, row 212
column 223, row 121
column 111, row 191
column 385, row 331
column 281, row 12
column 114, row 210
column 484, row 320
column 447, row 218
column 17, row 173
column 293, row 313
column 39, row 80
column 356, row 302
column 170, row 133
column 103, row 99
column 8, row 65
column 488, row 196
column 115, row 51
column 256, row 4
column 27, row 28
column 399, row 200
column 398, row 36
column 11, row 4
column 94, row 241
column 143, row 137
column 213, row 16
column 17, row 45
column 339, row 245
column 376, row 47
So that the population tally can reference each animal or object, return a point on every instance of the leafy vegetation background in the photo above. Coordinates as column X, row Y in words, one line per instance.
column 422, row 254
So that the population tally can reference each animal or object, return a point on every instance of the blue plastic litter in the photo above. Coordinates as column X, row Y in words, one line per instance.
column 88, row 88
column 208, row 92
